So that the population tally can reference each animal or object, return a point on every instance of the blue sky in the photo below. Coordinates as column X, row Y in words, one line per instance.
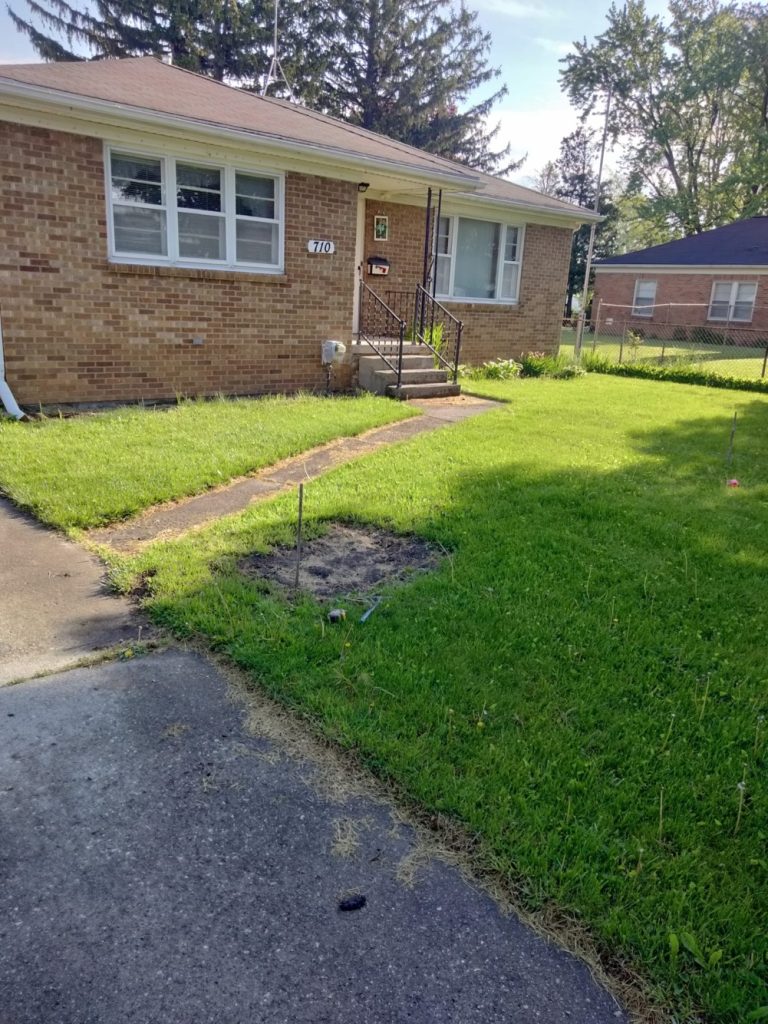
column 529, row 38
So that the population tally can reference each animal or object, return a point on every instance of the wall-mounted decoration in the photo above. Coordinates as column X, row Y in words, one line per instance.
column 381, row 229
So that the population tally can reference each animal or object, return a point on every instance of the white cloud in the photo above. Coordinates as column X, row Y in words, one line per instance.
column 514, row 8
column 555, row 46
column 537, row 132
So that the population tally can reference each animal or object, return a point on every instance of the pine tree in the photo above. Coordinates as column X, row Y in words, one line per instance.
column 405, row 68
column 226, row 39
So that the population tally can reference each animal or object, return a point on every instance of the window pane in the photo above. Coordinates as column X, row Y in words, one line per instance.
column 476, row 259
column 510, row 248
column 198, row 177
column 198, row 188
column 137, row 180
column 125, row 190
column 443, row 274
column 646, row 290
column 722, row 292
column 201, row 237
column 718, row 311
column 140, row 231
column 742, row 311
column 257, row 242
column 509, row 281
column 255, row 197
column 444, row 236
column 136, row 168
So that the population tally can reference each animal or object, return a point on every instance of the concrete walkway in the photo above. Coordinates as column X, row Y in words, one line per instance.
column 175, row 518
column 54, row 606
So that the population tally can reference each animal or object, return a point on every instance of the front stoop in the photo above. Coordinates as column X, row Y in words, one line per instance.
column 419, row 379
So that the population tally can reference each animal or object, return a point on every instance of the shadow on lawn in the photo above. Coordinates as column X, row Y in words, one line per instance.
column 580, row 684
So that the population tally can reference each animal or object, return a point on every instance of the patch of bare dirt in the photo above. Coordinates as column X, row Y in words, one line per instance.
column 347, row 560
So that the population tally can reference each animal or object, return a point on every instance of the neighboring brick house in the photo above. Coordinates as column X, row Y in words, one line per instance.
column 156, row 230
column 716, row 280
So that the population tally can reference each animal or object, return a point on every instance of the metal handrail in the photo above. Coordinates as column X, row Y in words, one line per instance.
column 366, row 331
column 419, row 328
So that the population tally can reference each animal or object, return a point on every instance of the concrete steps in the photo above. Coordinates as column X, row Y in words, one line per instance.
column 420, row 378
column 446, row 390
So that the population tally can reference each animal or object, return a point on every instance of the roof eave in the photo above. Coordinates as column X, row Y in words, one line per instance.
column 575, row 217
column 142, row 115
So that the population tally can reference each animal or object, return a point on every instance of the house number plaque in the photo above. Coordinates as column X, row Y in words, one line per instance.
column 320, row 246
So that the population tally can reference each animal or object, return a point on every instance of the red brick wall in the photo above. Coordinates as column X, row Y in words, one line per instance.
column 687, row 294
column 77, row 329
column 490, row 331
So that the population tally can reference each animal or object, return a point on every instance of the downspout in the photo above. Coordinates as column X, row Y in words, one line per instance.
column 6, row 395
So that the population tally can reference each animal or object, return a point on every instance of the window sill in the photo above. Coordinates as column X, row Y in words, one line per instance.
column 726, row 321
column 445, row 300
column 196, row 273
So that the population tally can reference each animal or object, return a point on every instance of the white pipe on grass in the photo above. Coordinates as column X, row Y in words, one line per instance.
column 6, row 395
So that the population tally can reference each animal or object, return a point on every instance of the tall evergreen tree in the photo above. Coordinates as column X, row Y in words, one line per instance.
column 404, row 68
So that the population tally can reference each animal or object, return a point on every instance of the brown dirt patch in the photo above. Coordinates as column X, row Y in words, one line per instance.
column 347, row 560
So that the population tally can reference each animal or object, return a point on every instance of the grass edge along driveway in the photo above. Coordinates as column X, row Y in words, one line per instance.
column 90, row 470
column 582, row 683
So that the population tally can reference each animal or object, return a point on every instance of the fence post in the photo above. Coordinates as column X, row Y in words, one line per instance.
column 663, row 348
column 621, row 344
column 765, row 361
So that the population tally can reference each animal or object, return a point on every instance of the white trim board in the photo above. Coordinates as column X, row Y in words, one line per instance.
column 651, row 268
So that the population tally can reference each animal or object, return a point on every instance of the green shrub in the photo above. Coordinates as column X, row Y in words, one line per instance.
column 683, row 373
column 495, row 369
column 541, row 364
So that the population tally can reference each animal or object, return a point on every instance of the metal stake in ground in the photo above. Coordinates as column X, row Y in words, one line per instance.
column 298, row 536
column 729, row 456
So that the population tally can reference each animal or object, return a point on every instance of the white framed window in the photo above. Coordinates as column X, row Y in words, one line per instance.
column 478, row 260
column 732, row 300
column 645, row 298
column 183, row 212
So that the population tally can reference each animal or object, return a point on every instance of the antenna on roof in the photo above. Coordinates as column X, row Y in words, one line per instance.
column 276, row 73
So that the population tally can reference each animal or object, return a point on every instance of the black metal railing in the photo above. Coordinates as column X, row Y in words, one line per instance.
column 382, row 329
column 438, row 329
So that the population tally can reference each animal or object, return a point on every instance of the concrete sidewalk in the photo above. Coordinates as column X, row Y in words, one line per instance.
column 174, row 518
column 54, row 607
column 161, row 864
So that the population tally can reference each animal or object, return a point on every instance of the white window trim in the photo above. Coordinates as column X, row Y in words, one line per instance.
column 169, row 160
column 453, row 235
column 729, row 318
column 646, row 311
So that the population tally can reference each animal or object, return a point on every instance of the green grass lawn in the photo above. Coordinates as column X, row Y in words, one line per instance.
column 93, row 469
column 726, row 360
column 583, row 683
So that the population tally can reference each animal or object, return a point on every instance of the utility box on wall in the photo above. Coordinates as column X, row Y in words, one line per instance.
column 378, row 266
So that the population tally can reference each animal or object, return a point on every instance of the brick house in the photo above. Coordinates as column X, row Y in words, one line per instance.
column 165, row 234
column 717, row 280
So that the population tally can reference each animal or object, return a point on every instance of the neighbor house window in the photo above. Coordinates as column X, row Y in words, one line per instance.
column 164, row 210
column 732, row 300
column 478, row 259
column 645, row 298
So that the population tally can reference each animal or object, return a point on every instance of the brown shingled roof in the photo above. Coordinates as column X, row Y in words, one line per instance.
column 148, row 84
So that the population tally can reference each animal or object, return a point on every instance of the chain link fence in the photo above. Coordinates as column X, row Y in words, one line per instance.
column 727, row 351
